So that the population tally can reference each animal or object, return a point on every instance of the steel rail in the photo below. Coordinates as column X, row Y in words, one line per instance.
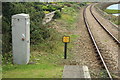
column 114, row 38
column 95, row 44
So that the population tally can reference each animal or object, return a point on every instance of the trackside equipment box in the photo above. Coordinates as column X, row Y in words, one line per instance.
column 21, row 38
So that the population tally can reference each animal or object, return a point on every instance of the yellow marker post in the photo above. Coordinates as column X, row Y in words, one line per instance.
column 66, row 39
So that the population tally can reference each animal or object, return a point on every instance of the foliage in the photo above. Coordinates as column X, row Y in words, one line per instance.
column 57, row 15
column 36, row 11
column 115, row 19
column 110, row 11
column 51, row 8
column 46, row 12
column 7, row 58
column 82, row 4
column 38, row 32
column 36, row 15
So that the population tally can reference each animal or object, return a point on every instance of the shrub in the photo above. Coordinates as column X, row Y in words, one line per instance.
column 46, row 12
column 44, row 7
column 68, row 5
column 36, row 29
column 51, row 8
column 57, row 15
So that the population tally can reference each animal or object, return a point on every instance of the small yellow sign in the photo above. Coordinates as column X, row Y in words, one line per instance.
column 66, row 39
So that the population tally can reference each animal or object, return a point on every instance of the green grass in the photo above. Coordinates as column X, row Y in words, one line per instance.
column 69, row 16
column 47, row 64
column 110, row 11
column 69, row 20
column 32, row 71
column 114, row 19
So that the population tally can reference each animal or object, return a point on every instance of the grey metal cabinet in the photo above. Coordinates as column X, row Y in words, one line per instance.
column 21, row 38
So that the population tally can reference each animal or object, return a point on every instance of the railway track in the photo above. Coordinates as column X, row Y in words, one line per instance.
column 96, row 46
column 109, row 33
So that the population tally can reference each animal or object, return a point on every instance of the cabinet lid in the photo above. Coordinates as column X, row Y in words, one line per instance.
column 21, row 16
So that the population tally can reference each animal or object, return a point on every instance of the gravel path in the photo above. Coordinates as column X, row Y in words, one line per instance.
column 108, row 47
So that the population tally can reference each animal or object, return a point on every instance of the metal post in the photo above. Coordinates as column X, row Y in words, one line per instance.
column 65, row 51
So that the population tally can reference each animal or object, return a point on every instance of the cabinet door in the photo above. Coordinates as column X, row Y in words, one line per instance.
column 18, row 32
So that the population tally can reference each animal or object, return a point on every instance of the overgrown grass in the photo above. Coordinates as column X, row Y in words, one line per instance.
column 112, row 11
column 69, row 16
column 48, row 56
column 32, row 71
column 114, row 19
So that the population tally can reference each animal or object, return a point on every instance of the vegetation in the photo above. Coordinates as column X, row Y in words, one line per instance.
column 51, row 8
column 57, row 15
column 46, row 44
column 114, row 19
column 110, row 11
column 36, row 10
column 36, row 15
column 41, row 37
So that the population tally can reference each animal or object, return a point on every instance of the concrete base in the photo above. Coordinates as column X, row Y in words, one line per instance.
column 76, row 71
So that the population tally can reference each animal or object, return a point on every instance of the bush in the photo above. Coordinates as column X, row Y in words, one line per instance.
column 82, row 4
column 51, row 8
column 46, row 12
column 68, row 5
column 57, row 15
column 36, row 29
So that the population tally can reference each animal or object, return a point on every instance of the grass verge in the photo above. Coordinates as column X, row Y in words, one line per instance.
column 111, row 11
column 32, row 71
